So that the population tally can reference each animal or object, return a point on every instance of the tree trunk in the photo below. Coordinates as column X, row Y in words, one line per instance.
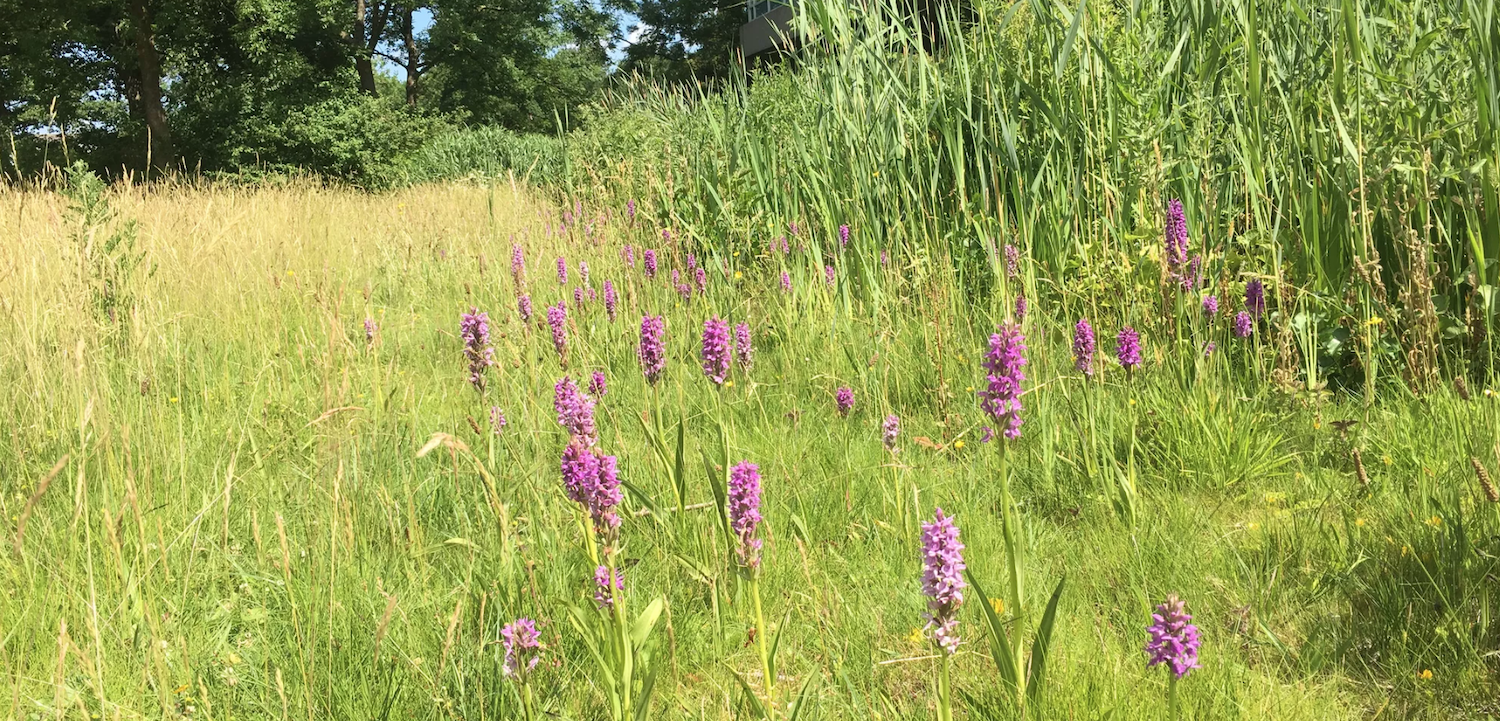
column 369, row 26
column 362, row 63
column 413, row 58
column 366, row 70
column 148, row 62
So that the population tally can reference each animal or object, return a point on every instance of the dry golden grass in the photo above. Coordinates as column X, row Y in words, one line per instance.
column 219, row 245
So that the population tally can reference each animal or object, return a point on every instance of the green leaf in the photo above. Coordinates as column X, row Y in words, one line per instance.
column 1118, row 85
column 723, row 447
column 643, row 699
column 1125, row 494
column 657, row 448
column 999, row 645
column 799, row 529
column 643, row 498
column 679, row 466
column 696, row 570
column 1036, row 676
column 1010, row 15
column 1067, row 49
column 855, row 700
column 646, row 621
column 1176, row 54
column 719, row 491
column 1286, row 652
column 796, row 707
column 988, row 709
column 1343, row 133
column 588, row 633
column 776, row 641
column 755, row 704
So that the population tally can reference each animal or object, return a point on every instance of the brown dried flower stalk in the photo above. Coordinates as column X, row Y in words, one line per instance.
column 1485, row 484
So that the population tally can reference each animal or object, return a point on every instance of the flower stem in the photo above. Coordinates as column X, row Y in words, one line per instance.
column 627, row 654
column 898, row 503
column 945, row 692
column 526, row 700
column 765, row 655
column 1172, row 698
column 1009, row 526
column 848, row 486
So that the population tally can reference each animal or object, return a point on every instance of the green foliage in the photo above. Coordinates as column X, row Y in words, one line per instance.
column 686, row 40
column 1335, row 149
column 256, row 515
column 112, row 268
column 360, row 139
column 521, row 65
column 273, row 87
column 487, row 152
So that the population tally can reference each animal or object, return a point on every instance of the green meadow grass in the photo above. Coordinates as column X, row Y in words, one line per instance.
column 226, row 514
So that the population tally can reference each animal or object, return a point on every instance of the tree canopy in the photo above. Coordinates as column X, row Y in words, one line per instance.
column 331, row 86
column 684, row 39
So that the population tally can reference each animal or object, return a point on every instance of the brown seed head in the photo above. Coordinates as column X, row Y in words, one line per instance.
column 1485, row 484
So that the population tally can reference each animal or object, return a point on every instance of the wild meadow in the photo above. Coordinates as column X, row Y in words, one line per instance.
column 1095, row 362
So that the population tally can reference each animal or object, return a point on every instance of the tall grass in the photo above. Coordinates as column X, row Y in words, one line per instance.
column 1345, row 150
column 487, row 153
column 225, row 500
column 218, row 505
